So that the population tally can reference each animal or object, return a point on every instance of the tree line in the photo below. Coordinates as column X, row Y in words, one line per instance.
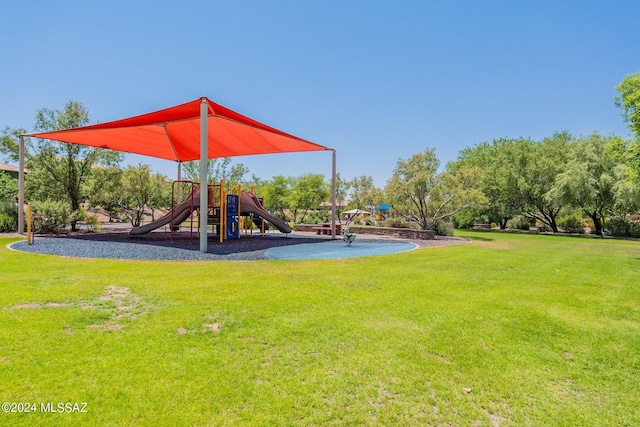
column 595, row 177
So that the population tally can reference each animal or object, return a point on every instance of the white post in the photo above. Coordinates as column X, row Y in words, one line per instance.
column 21, row 187
column 204, row 189
column 333, row 194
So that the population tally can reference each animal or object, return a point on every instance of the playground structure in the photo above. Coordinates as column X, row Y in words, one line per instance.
column 226, row 213
column 197, row 130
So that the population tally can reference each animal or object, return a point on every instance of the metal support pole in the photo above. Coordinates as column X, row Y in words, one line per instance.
column 30, row 238
column 204, row 189
column 333, row 194
column 179, row 179
column 222, row 212
column 21, row 188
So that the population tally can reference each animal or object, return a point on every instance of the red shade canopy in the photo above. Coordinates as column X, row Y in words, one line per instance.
column 174, row 134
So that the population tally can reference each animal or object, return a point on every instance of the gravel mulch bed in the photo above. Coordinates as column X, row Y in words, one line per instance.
column 159, row 246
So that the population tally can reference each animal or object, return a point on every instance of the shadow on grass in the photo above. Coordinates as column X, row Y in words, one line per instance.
column 481, row 239
column 559, row 235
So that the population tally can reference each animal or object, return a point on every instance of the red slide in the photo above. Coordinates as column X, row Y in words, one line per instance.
column 249, row 204
column 179, row 214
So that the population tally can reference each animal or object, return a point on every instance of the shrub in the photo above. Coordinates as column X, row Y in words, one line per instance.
column 369, row 221
column 571, row 223
column 465, row 219
column 394, row 223
column 8, row 224
column 51, row 216
column 8, row 217
column 92, row 223
column 544, row 228
column 318, row 217
column 618, row 227
column 622, row 227
column 588, row 222
column 443, row 228
column 519, row 222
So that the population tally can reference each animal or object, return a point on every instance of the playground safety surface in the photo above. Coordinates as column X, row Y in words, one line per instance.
column 160, row 246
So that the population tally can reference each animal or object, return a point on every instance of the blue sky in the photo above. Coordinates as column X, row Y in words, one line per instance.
column 376, row 80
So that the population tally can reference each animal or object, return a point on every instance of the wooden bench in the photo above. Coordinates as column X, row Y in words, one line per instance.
column 482, row 226
column 325, row 228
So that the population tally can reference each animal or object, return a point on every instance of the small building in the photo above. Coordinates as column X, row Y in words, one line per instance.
column 13, row 171
column 352, row 213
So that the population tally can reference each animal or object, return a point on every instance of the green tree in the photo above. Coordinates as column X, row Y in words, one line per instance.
column 364, row 194
column 545, row 161
column 626, row 190
column 59, row 171
column 307, row 192
column 138, row 185
column 628, row 99
column 8, row 207
column 342, row 189
column 590, row 179
column 626, row 153
column 217, row 169
column 516, row 176
column 500, row 163
column 9, row 143
column 276, row 193
column 160, row 196
column 8, row 188
column 105, row 190
column 423, row 195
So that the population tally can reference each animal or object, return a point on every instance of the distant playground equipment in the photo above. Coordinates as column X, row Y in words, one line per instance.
column 227, row 214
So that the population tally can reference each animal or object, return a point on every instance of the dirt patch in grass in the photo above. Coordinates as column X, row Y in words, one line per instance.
column 27, row 305
column 214, row 327
column 41, row 305
column 107, row 326
column 120, row 304
column 116, row 305
column 210, row 325
column 492, row 244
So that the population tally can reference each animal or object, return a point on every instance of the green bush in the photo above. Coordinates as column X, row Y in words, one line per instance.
column 90, row 221
column 8, row 187
column 50, row 216
column 8, row 224
column 572, row 223
column 318, row 217
column 8, row 217
column 544, row 228
column 93, row 224
column 466, row 218
column 622, row 227
column 394, row 223
column 443, row 228
column 519, row 222
column 370, row 221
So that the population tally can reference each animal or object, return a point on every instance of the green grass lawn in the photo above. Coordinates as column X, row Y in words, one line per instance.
column 510, row 330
